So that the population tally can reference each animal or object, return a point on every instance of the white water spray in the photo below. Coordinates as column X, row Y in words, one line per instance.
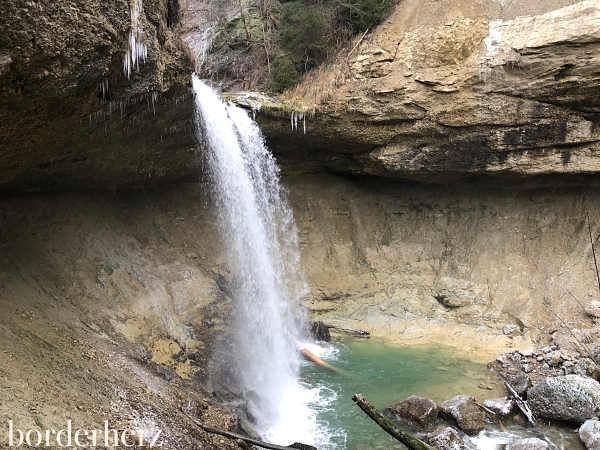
column 258, row 227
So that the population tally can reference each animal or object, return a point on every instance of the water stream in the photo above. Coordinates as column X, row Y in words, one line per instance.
column 257, row 226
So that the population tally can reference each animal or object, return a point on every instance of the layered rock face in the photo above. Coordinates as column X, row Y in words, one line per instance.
column 445, row 89
column 439, row 91
column 70, row 117
column 377, row 252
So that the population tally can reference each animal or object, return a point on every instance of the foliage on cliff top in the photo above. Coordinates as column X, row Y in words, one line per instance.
column 271, row 44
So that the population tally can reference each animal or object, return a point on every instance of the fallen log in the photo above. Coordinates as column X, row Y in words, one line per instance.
column 522, row 404
column 258, row 443
column 349, row 330
column 388, row 426
column 314, row 358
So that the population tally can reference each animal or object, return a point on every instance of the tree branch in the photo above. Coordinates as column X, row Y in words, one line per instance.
column 231, row 435
column 388, row 426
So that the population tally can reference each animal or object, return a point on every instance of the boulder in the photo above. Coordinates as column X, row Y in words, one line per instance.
column 453, row 293
column 589, row 433
column 463, row 409
column 319, row 331
column 447, row 439
column 554, row 358
column 527, row 444
column 587, row 368
column 520, row 384
column 418, row 411
column 510, row 330
column 571, row 398
column 502, row 406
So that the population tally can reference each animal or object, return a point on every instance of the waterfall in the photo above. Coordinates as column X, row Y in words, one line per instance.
column 257, row 226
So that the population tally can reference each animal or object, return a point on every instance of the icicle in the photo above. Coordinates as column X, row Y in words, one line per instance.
column 137, row 50
column 154, row 99
column 304, row 120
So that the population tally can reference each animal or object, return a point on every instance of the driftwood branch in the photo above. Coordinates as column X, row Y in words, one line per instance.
column 522, row 404
column 359, row 41
column 314, row 358
column 231, row 435
column 349, row 330
column 388, row 426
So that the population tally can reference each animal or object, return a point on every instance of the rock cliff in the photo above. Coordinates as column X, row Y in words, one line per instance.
column 439, row 91
column 70, row 117
column 444, row 89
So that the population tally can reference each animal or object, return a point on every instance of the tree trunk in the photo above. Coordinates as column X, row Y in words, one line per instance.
column 388, row 426
column 231, row 435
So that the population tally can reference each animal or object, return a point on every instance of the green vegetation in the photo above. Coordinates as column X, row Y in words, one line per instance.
column 365, row 14
column 302, row 37
column 272, row 43
column 284, row 72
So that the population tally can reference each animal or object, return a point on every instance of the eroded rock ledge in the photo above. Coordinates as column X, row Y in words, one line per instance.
column 439, row 91
column 444, row 90
column 70, row 117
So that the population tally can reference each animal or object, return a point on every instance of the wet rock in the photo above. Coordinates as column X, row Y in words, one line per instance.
column 502, row 406
column 301, row 446
column 571, row 398
column 447, row 439
column 319, row 331
column 463, row 409
column 527, row 444
column 521, row 383
column 589, row 433
column 587, row 368
column 249, row 429
column 416, row 410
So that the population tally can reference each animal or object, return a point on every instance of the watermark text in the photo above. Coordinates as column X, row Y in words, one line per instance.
column 67, row 437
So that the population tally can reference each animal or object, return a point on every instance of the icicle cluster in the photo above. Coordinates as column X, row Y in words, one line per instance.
column 137, row 50
column 294, row 119
column 103, row 88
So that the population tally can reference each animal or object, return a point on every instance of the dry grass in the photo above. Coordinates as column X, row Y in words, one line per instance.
column 320, row 85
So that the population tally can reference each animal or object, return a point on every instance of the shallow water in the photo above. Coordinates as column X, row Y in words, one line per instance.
column 388, row 374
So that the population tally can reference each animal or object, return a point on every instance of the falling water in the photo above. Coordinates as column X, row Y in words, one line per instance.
column 258, row 227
